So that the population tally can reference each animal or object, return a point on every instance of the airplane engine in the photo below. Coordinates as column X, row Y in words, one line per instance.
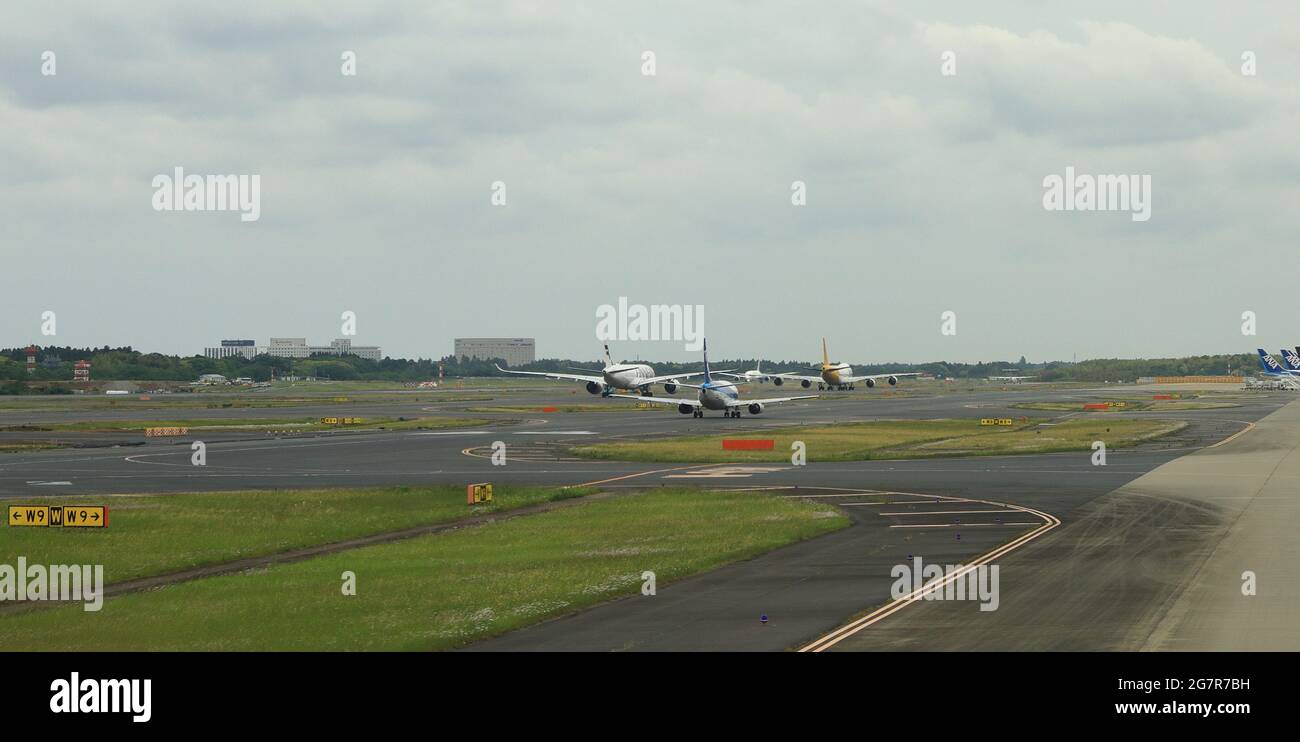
column 595, row 388
column 670, row 386
column 871, row 383
column 893, row 381
column 778, row 380
column 685, row 409
column 806, row 383
column 755, row 409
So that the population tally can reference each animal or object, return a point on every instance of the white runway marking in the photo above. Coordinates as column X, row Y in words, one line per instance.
column 726, row 472
column 557, row 432
column 50, row 484
column 455, row 432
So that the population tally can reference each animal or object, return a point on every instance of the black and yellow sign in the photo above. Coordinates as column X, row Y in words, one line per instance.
column 476, row 493
column 59, row 516
column 341, row 421
column 997, row 421
column 165, row 432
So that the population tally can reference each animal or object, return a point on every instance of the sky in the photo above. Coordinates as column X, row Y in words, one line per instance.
column 924, row 190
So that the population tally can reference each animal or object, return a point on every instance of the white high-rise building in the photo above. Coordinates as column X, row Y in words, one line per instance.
column 514, row 351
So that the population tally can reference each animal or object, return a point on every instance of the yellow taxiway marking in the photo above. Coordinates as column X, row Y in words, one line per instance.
column 835, row 637
column 1249, row 427
column 636, row 474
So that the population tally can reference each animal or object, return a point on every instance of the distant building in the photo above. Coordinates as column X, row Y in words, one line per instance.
column 230, row 348
column 514, row 351
column 293, row 348
column 298, row 348
column 213, row 379
column 81, row 371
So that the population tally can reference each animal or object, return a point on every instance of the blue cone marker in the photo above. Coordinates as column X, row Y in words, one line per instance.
column 762, row 618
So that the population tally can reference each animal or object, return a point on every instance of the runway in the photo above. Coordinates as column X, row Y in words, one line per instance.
column 806, row 590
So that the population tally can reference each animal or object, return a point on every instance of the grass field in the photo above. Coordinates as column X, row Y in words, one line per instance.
column 305, row 424
column 26, row 446
column 444, row 590
column 892, row 439
column 157, row 534
column 1130, row 405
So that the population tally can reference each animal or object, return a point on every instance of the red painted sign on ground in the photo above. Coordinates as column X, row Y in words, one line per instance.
column 745, row 444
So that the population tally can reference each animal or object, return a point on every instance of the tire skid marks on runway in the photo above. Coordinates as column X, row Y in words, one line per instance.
column 1048, row 522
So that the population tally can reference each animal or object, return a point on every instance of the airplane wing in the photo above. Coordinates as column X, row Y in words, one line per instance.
column 769, row 400
column 853, row 379
column 670, row 377
column 797, row 377
column 660, row 400
column 566, row 377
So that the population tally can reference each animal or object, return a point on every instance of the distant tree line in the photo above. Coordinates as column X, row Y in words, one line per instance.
column 126, row 363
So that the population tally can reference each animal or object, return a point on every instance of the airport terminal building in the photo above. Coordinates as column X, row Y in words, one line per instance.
column 514, row 351
column 229, row 348
column 293, row 348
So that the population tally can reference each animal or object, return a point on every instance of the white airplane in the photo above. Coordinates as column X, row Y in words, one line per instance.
column 637, row 376
column 837, row 375
column 715, row 395
column 753, row 375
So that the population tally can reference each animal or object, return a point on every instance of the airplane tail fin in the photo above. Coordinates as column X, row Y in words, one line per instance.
column 707, row 377
column 826, row 356
column 1268, row 363
column 1292, row 360
column 608, row 361
column 759, row 366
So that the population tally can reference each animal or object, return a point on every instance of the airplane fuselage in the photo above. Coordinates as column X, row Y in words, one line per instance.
column 627, row 375
column 832, row 373
column 717, row 395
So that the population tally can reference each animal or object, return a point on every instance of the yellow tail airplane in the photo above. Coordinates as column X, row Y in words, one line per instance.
column 837, row 376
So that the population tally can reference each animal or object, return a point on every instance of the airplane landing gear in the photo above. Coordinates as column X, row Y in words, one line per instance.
column 698, row 413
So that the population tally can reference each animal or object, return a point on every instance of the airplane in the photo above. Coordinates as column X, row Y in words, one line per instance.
column 836, row 375
column 1274, row 369
column 715, row 395
column 1292, row 360
column 613, row 376
column 754, row 374
column 1012, row 379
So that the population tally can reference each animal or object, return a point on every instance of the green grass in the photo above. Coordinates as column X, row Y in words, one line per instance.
column 306, row 424
column 26, row 446
column 149, row 535
column 890, row 439
column 445, row 590
column 1130, row 405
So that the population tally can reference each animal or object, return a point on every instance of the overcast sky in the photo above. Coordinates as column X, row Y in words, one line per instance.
column 924, row 191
